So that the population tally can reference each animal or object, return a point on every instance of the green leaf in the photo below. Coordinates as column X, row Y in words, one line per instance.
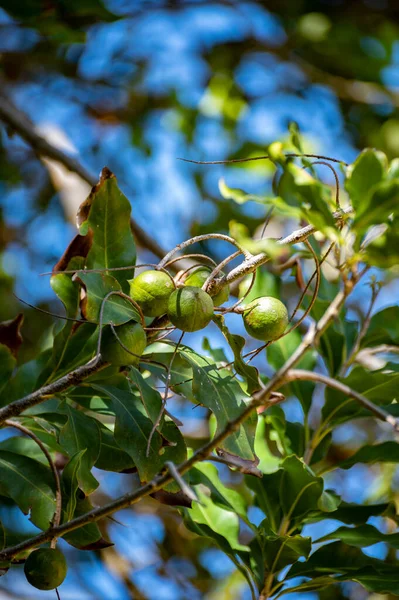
column 357, row 514
column 7, row 365
column 387, row 452
column 300, row 190
column 318, row 583
column 25, row 447
column 132, row 431
column 382, row 201
column 219, row 391
column 213, row 521
column 236, row 194
column 30, row 484
column 24, row 380
column 300, row 489
column 81, row 432
column 362, row 536
column 72, row 347
column 363, row 175
column 70, row 485
column 281, row 550
column 106, row 213
column 207, row 474
column 117, row 310
column 237, row 342
column 277, row 355
column 374, row 581
column 383, row 328
column 267, row 496
column 111, row 457
column 68, row 291
column 89, row 536
column 378, row 387
column 338, row 557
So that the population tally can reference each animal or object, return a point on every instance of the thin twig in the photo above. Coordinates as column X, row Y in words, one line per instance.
column 315, row 291
column 380, row 413
column 72, row 379
column 58, row 496
column 323, row 258
column 322, row 162
column 202, row 238
column 265, row 157
column 185, row 488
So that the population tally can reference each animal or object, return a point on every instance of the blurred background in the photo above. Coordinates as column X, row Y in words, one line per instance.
column 134, row 85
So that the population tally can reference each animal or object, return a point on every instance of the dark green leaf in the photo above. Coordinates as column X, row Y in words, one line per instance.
column 377, row 207
column 363, row 175
column 30, row 484
column 219, row 391
column 300, row 489
column 72, row 347
column 267, row 496
column 362, row 536
column 70, row 485
column 378, row 387
column 248, row 372
column 89, row 536
column 132, row 431
column 338, row 557
column 357, row 514
column 81, row 432
column 283, row 550
column 387, row 452
column 383, row 328
column 106, row 213
column 111, row 457
column 117, row 310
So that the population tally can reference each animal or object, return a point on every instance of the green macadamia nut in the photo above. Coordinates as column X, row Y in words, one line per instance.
column 132, row 335
column 151, row 291
column 265, row 318
column 45, row 568
column 198, row 278
column 190, row 308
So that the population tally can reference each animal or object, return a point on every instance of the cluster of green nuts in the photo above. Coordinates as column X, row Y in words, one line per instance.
column 189, row 308
column 45, row 568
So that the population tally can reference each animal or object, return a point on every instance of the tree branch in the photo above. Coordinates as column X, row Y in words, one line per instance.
column 60, row 385
column 251, row 264
column 18, row 121
column 380, row 413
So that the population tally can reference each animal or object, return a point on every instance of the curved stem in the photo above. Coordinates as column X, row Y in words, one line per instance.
column 217, row 270
column 202, row 238
column 58, row 495
column 264, row 157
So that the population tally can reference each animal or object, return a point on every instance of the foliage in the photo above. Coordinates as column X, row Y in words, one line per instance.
column 113, row 417
column 298, row 488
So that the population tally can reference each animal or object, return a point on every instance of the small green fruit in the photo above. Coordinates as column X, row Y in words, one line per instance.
column 151, row 291
column 132, row 335
column 45, row 568
column 198, row 278
column 190, row 308
column 265, row 318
